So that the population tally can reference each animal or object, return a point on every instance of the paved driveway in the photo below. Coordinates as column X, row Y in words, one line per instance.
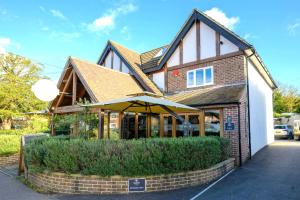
column 273, row 173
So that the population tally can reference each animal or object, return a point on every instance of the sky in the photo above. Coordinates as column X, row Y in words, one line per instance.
column 49, row 31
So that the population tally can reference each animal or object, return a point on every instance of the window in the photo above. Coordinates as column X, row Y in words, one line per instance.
column 212, row 123
column 200, row 77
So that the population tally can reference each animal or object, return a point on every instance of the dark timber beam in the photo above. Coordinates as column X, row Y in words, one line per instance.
column 74, row 89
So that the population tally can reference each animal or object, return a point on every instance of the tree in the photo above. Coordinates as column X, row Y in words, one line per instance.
column 17, row 75
column 286, row 99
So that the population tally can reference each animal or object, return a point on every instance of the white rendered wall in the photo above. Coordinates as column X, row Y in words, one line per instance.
column 261, row 110
column 116, row 63
column 174, row 59
column 207, row 41
column 190, row 45
column 107, row 62
column 159, row 80
column 227, row 46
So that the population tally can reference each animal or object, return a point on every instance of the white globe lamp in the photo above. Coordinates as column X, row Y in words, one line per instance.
column 45, row 90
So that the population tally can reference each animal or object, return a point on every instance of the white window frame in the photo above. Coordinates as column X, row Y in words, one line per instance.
column 204, row 77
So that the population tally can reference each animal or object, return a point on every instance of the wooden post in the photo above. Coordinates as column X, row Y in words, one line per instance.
column 148, row 123
column 136, row 125
column 100, row 133
column 181, row 53
column 21, row 158
column 121, row 115
column 198, row 40
column 161, row 125
column 74, row 89
column 108, row 125
column 218, row 43
column 202, row 123
column 221, row 123
column 173, row 126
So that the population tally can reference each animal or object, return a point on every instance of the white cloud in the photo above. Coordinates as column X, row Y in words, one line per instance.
column 107, row 21
column 249, row 36
column 221, row 17
column 125, row 33
column 4, row 43
column 58, row 14
column 292, row 28
column 42, row 9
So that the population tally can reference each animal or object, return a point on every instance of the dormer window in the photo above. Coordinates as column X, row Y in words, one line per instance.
column 161, row 52
column 200, row 77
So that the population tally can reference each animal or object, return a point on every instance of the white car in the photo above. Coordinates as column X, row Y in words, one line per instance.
column 285, row 131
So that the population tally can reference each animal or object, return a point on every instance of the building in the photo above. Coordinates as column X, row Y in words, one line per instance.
column 206, row 66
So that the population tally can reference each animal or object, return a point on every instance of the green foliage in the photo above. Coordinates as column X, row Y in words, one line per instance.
column 9, row 144
column 125, row 157
column 17, row 75
column 286, row 99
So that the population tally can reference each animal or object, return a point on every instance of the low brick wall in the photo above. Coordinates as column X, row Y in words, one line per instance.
column 9, row 160
column 79, row 184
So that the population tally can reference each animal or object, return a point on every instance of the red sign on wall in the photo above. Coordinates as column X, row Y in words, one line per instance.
column 175, row 72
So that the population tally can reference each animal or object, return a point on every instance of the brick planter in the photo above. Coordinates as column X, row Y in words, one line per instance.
column 79, row 184
column 9, row 160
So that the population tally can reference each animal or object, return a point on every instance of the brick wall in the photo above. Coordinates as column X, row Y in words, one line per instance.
column 226, row 71
column 9, row 160
column 79, row 184
column 234, row 135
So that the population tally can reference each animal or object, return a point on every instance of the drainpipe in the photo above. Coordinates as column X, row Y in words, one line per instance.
column 240, row 137
column 248, row 104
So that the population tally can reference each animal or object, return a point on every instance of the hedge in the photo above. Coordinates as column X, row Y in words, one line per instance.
column 125, row 157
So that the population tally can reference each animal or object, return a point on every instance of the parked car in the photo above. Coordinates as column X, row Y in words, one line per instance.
column 283, row 131
column 296, row 130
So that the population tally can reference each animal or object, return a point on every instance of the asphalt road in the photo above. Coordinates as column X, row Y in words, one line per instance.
column 273, row 173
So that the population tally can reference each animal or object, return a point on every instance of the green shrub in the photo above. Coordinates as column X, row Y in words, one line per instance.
column 125, row 157
column 9, row 144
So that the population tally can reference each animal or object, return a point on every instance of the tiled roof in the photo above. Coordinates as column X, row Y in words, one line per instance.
column 133, row 58
column 209, row 96
column 105, row 84
column 148, row 59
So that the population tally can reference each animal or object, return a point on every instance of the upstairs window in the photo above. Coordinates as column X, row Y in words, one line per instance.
column 200, row 77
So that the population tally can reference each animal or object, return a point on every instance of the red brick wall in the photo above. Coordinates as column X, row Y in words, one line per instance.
column 234, row 135
column 79, row 184
column 226, row 71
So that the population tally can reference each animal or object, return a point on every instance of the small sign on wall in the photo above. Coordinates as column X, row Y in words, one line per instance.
column 136, row 185
column 229, row 125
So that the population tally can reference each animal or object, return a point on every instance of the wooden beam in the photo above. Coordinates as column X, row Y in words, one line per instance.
column 108, row 125
column 173, row 126
column 100, row 133
column 64, row 89
column 136, row 125
column 52, row 125
column 218, row 44
column 112, row 59
column 161, row 125
column 181, row 52
column 148, row 128
column 74, row 89
column 68, row 109
column 121, row 115
column 198, row 38
column 202, row 123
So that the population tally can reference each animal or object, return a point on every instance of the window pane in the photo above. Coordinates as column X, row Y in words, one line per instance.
column 194, row 120
column 199, row 77
column 179, row 127
column 208, row 75
column 168, row 126
column 190, row 79
column 212, row 123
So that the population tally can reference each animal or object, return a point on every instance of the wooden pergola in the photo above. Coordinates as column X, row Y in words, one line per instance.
column 146, row 103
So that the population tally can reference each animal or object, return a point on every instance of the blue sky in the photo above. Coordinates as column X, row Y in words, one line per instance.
column 49, row 31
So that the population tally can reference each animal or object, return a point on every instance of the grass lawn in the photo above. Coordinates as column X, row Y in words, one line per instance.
column 9, row 144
